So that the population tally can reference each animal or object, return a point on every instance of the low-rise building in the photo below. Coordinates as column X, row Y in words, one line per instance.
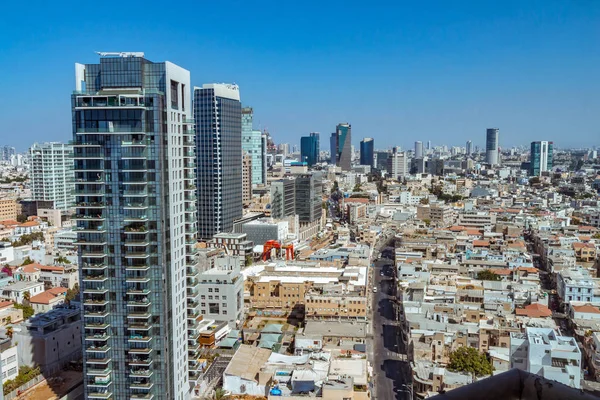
column 50, row 340
column 10, row 361
column 16, row 291
column 543, row 352
column 48, row 299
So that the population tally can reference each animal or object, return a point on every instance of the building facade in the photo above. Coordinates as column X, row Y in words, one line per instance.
column 136, row 224
column 246, row 178
column 469, row 147
column 491, row 146
column 52, row 173
column 341, row 146
column 541, row 157
column 283, row 198
column 418, row 149
column 309, row 148
column 218, row 118
column 309, row 193
column 367, row 152
column 397, row 164
column 254, row 144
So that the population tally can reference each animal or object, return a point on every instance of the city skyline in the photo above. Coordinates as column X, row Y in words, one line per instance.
column 421, row 65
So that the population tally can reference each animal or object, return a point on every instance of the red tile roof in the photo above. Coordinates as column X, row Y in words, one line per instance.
column 535, row 310
column 481, row 243
column 47, row 296
column 587, row 308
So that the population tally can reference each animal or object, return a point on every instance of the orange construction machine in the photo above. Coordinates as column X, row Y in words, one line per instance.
column 274, row 244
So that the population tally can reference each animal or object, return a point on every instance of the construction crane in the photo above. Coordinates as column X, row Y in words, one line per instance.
column 274, row 244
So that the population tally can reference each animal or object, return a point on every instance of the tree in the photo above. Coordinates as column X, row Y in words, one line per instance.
column 427, row 221
column 27, row 310
column 72, row 293
column 424, row 201
column 61, row 260
column 357, row 188
column 468, row 359
column 487, row 275
column 21, row 218
column 26, row 297
column 9, row 331
column 27, row 261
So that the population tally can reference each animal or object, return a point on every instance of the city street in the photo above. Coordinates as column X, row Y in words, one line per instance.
column 391, row 371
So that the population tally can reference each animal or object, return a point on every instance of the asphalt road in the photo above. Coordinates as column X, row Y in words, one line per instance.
column 390, row 369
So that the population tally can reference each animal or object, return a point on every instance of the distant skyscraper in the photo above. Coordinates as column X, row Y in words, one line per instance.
column 309, row 148
column 52, row 173
column 367, row 149
column 134, row 163
column 218, row 116
column 418, row 149
column 469, row 147
column 429, row 145
column 252, row 143
column 246, row 178
column 6, row 152
column 541, row 157
column 491, row 146
column 341, row 147
column 398, row 164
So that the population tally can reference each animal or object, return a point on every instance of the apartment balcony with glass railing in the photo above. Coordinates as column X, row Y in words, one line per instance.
column 94, row 288
column 99, row 394
column 87, row 214
column 142, row 396
column 139, row 361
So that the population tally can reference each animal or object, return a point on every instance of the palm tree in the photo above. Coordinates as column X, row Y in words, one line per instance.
column 9, row 331
column 26, row 297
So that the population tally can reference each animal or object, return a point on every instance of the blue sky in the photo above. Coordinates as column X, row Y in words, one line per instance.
column 397, row 71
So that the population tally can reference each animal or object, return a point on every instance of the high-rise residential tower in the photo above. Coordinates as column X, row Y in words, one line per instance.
column 136, row 226
column 541, row 157
column 252, row 143
column 52, row 173
column 6, row 152
column 367, row 152
column 309, row 148
column 491, row 146
column 397, row 164
column 341, row 146
column 218, row 117
column 469, row 147
column 418, row 149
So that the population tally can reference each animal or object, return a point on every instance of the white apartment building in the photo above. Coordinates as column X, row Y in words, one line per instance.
column 16, row 291
column 52, row 173
column 397, row 164
column 575, row 284
column 476, row 219
column 10, row 361
column 543, row 352
column 221, row 291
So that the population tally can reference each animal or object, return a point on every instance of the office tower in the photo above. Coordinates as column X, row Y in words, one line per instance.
column 382, row 160
column 309, row 192
column 52, row 173
column 263, row 162
column 397, row 164
column 333, row 153
column 541, row 157
column 252, row 143
column 309, row 148
column 418, row 149
column 283, row 198
column 429, row 145
column 246, row 178
column 367, row 150
column 491, row 146
column 469, row 147
column 136, row 225
column 6, row 152
column 341, row 146
column 218, row 116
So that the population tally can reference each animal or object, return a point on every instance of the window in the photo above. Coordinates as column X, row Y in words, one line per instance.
column 12, row 371
column 210, row 290
column 213, row 308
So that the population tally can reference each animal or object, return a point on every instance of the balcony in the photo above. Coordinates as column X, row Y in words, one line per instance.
column 145, row 350
column 90, row 229
column 95, row 290
column 88, row 204
column 137, row 396
column 137, row 291
column 92, row 254
column 99, row 267
column 89, row 217
column 133, row 228
column 141, row 267
column 138, row 303
column 98, row 372
column 132, row 218
column 91, row 326
column 140, row 362
column 135, row 315
column 139, row 326
column 95, row 278
column 95, row 302
column 135, row 193
column 99, row 395
column 137, row 255
column 97, row 336
column 143, row 373
column 99, row 383
column 97, row 349
column 139, row 339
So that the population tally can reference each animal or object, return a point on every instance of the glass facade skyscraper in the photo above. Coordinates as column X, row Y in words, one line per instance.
column 367, row 152
column 341, row 146
column 252, row 143
column 218, row 117
column 136, row 226
column 491, row 146
column 309, row 148
column 541, row 157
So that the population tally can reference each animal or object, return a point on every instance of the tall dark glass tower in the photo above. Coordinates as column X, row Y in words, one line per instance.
column 133, row 148
column 344, row 146
column 309, row 148
column 541, row 157
column 367, row 151
column 218, row 116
